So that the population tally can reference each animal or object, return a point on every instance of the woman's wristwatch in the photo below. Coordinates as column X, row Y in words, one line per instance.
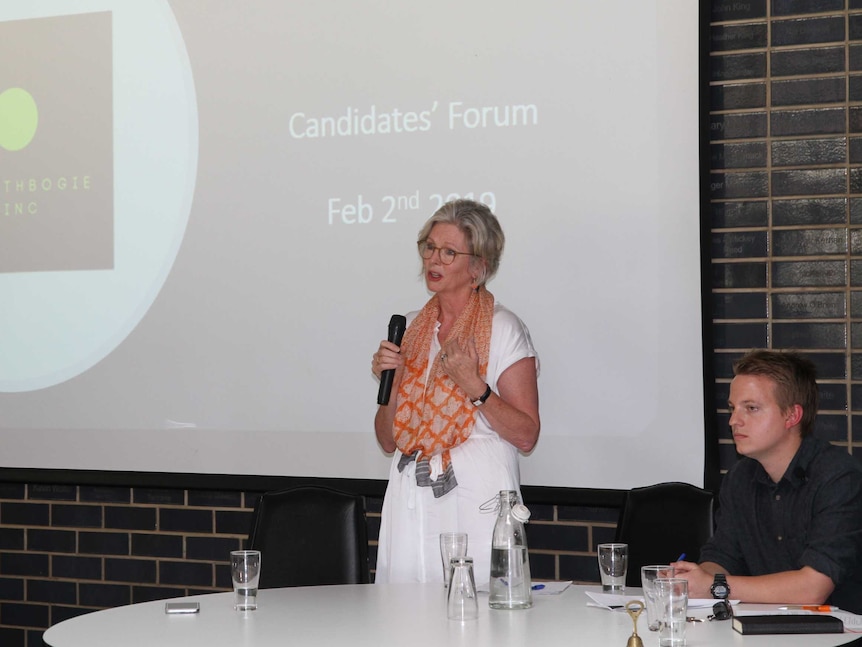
column 478, row 402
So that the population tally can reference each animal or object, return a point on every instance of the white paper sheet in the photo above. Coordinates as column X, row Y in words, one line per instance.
column 615, row 601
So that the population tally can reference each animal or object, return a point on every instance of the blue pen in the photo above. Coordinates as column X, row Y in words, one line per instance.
column 538, row 587
column 681, row 557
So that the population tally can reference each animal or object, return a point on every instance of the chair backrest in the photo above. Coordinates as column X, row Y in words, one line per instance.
column 661, row 522
column 310, row 535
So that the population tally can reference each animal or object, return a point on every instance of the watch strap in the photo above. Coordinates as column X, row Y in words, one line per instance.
column 478, row 402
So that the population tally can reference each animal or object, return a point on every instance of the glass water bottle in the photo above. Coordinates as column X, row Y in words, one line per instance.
column 510, row 563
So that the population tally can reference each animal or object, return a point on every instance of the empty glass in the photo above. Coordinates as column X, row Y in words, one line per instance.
column 461, row 603
column 452, row 544
column 649, row 574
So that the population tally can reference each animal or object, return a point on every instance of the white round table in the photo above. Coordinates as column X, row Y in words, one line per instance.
column 396, row 615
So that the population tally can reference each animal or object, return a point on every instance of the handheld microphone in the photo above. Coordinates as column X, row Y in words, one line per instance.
column 397, row 325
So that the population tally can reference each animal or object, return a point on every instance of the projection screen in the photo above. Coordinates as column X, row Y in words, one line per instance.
column 209, row 210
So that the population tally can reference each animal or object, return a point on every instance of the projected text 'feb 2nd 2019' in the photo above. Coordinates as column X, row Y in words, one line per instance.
column 387, row 209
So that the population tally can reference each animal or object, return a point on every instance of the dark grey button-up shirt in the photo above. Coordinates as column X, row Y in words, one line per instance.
column 811, row 517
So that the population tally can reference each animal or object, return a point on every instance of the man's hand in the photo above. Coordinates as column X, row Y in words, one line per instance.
column 699, row 576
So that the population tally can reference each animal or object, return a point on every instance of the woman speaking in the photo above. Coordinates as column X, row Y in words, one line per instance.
column 465, row 401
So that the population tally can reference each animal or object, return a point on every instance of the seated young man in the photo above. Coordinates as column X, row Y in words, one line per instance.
column 789, row 523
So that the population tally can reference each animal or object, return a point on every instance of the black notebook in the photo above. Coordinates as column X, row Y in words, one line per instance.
column 788, row 624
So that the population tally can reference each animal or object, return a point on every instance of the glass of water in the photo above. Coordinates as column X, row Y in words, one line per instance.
column 245, row 572
column 672, row 603
column 613, row 563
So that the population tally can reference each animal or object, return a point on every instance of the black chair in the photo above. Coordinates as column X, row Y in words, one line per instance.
column 310, row 535
column 661, row 522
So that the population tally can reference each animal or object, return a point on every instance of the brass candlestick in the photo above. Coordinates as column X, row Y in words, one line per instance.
column 634, row 608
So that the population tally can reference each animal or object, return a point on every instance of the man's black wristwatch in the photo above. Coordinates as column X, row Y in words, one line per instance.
column 720, row 589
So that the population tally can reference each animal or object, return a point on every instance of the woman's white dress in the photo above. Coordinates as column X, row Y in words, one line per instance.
column 412, row 519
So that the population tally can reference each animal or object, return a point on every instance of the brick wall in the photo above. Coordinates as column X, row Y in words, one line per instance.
column 785, row 191
column 71, row 549
column 67, row 549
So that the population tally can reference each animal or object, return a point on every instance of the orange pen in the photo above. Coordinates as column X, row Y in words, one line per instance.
column 810, row 607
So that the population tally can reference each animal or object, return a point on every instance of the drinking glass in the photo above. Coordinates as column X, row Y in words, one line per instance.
column 649, row 574
column 613, row 562
column 672, row 599
column 452, row 544
column 461, row 602
column 245, row 572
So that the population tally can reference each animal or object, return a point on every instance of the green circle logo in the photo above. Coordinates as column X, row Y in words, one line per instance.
column 19, row 117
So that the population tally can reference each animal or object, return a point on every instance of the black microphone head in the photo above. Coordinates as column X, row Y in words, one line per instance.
column 397, row 326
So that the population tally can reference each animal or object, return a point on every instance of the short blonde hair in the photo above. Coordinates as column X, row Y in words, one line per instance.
column 481, row 229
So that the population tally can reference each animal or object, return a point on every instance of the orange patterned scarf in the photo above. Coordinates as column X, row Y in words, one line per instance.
column 434, row 417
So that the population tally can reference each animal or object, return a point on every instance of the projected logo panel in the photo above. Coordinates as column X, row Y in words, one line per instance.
column 56, row 144
column 98, row 160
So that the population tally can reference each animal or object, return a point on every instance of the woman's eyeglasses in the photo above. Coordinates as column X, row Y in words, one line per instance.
column 447, row 256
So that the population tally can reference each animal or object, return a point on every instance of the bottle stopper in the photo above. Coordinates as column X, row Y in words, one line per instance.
column 521, row 512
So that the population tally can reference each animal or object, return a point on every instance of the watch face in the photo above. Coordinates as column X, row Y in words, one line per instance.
column 720, row 590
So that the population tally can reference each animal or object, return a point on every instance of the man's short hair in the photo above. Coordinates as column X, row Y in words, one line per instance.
column 795, row 379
